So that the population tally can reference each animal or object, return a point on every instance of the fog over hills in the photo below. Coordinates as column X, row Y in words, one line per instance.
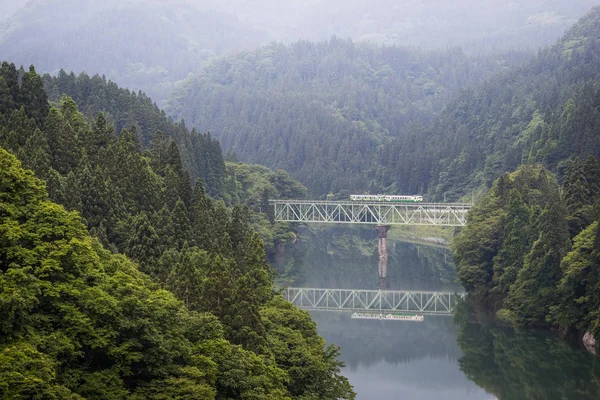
column 151, row 44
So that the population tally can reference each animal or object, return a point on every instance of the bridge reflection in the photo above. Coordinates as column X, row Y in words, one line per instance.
column 356, row 300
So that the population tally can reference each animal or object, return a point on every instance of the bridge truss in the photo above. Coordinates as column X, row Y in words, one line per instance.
column 436, row 303
column 379, row 213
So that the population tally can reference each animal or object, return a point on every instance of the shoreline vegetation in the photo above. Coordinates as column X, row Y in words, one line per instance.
column 529, row 253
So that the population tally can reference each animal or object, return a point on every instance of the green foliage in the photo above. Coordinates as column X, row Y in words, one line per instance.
column 543, row 112
column 82, row 322
column 510, row 252
column 297, row 348
column 322, row 110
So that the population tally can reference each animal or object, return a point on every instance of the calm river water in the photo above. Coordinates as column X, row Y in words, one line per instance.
column 442, row 357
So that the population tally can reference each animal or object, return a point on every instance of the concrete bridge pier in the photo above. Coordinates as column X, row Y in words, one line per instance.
column 382, row 231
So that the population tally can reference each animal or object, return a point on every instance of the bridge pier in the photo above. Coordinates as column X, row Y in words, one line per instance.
column 382, row 231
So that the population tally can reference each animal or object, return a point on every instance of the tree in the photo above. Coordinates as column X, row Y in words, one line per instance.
column 591, row 169
column 33, row 96
column 516, row 243
column 578, row 288
column 143, row 244
column 534, row 291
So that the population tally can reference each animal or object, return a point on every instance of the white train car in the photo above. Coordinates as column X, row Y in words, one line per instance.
column 386, row 198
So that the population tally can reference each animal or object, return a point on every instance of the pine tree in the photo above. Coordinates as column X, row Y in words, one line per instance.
column 158, row 153
column 576, row 196
column 7, row 104
column 143, row 245
column 36, row 154
column 171, row 187
column 181, row 225
column 72, row 193
column 201, row 217
column 97, row 138
column 591, row 170
column 516, row 243
column 534, row 292
column 186, row 276
column 33, row 97
column 579, row 289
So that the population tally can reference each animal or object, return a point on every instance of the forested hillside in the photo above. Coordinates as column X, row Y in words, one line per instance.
column 476, row 26
column 321, row 110
column 82, row 322
column 200, row 154
column 545, row 111
column 530, row 251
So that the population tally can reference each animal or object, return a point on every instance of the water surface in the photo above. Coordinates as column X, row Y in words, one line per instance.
column 441, row 357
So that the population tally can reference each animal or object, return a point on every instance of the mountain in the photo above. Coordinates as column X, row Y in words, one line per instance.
column 545, row 111
column 141, row 44
column 321, row 110
column 151, row 44
column 491, row 25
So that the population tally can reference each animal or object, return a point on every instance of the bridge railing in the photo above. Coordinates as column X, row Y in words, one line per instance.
column 422, row 302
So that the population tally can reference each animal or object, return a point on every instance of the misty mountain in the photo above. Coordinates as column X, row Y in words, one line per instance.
column 475, row 25
column 139, row 44
column 321, row 110
column 151, row 44
column 546, row 111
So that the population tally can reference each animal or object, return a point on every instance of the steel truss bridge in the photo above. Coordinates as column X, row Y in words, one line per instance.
column 378, row 213
column 432, row 303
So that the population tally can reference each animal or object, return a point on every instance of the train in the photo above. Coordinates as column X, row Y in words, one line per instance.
column 386, row 198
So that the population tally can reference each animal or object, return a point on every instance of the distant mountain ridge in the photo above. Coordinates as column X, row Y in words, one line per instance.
column 151, row 44
column 321, row 110
column 545, row 111
column 141, row 45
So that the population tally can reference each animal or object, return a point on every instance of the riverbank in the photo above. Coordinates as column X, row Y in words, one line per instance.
column 427, row 235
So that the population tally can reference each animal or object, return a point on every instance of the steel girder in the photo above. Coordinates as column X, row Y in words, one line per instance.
column 340, row 212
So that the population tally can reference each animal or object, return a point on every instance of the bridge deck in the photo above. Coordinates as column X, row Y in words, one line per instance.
column 373, row 213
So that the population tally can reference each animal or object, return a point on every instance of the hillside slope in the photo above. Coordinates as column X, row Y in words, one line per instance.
column 545, row 111
column 320, row 110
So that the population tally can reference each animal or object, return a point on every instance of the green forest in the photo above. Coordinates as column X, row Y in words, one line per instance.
column 346, row 117
column 321, row 111
column 545, row 111
column 531, row 248
column 141, row 143
column 120, row 279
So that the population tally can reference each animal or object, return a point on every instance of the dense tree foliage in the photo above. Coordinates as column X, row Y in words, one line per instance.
column 545, row 111
column 84, row 322
column 199, row 153
column 321, row 110
column 516, row 254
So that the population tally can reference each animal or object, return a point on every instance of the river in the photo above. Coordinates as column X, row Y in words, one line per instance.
column 441, row 357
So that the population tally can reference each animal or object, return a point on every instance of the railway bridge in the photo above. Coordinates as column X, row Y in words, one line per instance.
column 382, row 214
column 371, row 213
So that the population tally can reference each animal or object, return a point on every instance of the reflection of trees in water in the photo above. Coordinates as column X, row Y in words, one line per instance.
column 346, row 257
column 524, row 364
column 367, row 342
